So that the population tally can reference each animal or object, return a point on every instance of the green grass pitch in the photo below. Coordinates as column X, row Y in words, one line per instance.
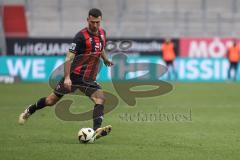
column 207, row 128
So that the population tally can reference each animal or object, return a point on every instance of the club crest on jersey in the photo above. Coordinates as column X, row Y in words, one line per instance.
column 73, row 46
column 98, row 47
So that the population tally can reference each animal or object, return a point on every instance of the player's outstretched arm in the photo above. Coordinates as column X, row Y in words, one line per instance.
column 106, row 61
column 67, row 67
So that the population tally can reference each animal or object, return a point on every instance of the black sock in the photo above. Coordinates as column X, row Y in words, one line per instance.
column 38, row 105
column 97, row 116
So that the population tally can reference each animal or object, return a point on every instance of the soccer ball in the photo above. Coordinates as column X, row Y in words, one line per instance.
column 86, row 135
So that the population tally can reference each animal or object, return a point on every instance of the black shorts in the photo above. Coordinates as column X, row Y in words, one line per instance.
column 169, row 63
column 78, row 84
column 234, row 65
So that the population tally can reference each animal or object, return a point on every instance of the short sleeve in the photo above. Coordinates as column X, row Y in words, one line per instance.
column 77, row 45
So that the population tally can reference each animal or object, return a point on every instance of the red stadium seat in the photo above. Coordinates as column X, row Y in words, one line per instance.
column 14, row 21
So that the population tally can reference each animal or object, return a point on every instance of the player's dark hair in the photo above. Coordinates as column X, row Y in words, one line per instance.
column 95, row 12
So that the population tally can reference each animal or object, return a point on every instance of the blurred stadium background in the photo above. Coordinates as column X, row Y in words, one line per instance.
column 35, row 35
column 126, row 18
column 199, row 28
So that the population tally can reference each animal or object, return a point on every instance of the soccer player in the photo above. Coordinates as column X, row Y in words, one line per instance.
column 80, row 70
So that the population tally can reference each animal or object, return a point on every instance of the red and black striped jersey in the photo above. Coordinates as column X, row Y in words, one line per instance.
column 87, row 48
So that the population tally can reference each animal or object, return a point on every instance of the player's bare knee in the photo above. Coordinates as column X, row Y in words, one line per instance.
column 100, row 100
column 50, row 101
column 98, row 97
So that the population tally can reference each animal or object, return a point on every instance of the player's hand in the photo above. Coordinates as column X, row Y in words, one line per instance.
column 67, row 83
column 108, row 63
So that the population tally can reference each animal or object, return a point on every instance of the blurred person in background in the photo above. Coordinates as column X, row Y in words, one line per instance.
column 168, row 55
column 233, row 58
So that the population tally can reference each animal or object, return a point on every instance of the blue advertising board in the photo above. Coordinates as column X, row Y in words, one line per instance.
column 39, row 68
